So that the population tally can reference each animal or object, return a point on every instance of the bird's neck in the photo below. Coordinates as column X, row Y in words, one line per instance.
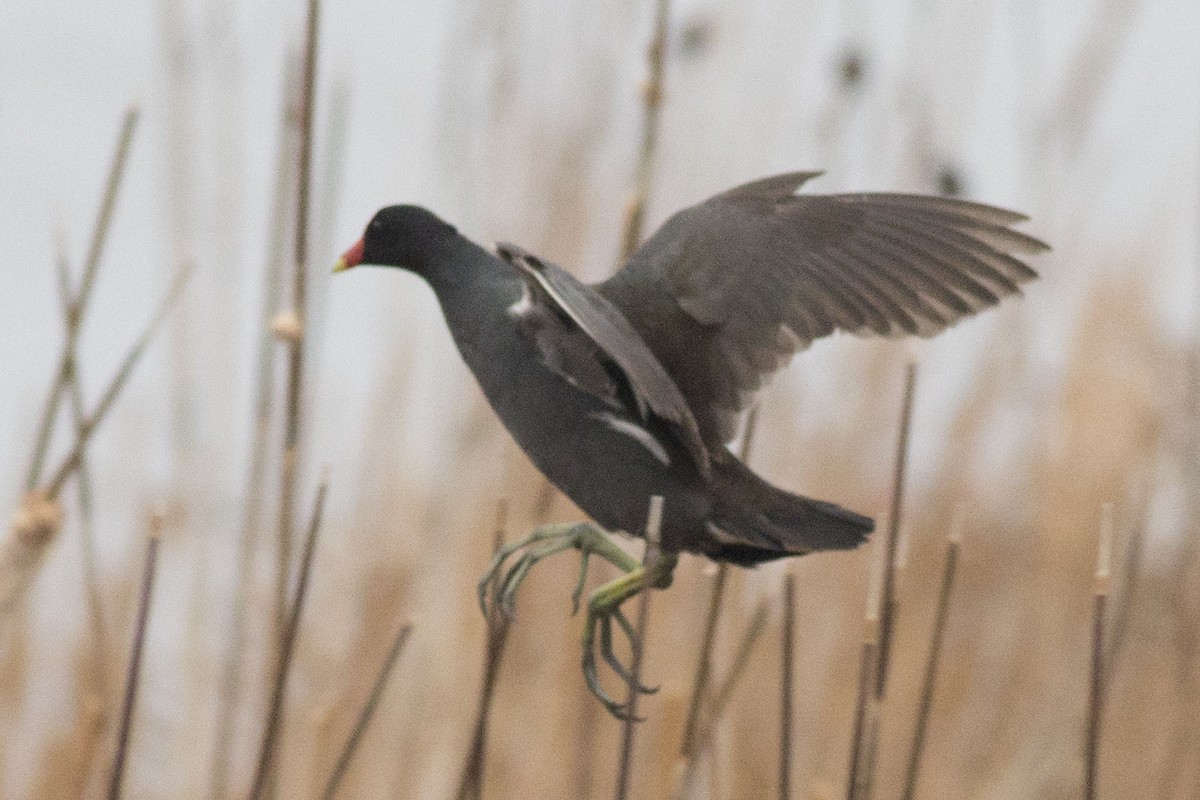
column 473, row 287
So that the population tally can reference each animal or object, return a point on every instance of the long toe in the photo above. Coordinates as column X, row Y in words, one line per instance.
column 610, row 657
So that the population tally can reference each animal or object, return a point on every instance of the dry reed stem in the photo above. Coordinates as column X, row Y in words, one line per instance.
column 652, row 99
column 704, row 662
column 1097, row 683
column 470, row 784
column 133, row 673
column 864, row 775
column 34, row 526
column 867, row 664
column 1123, row 600
column 649, row 559
column 116, row 384
column 275, row 711
column 933, row 659
column 264, row 396
column 295, row 358
column 79, row 304
column 787, row 668
column 741, row 660
column 367, row 713
column 888, row 610
column 710, row 714
column 86, row 740
column 91, row 586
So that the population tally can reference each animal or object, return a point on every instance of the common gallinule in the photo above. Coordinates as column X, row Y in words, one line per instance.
column 630, row 388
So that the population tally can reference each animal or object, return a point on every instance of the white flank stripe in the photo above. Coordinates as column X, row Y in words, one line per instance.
column 637, row 433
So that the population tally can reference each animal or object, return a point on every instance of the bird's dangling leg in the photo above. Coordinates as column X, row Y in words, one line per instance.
column 604, row 606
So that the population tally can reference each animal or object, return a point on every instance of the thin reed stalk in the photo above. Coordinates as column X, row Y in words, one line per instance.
column 649, row 559
column 787, row 675
column 264, row 397
column 275, row 711
column 39, row 518
column 367, row 714
column 297, row 316
column 715, row 599
column 133, row 673
column 741, row 660
column 79, row 304
column 34, row 526
column 933, row 659
column 92, row 421
column 98, row 633
column 470, row 784
column 867, row 738
column 1096, row 686
column 867, row 664
column 887, row 616
column 706, row 730
column 1123, row 600
column 704, row 662
column 652, row 100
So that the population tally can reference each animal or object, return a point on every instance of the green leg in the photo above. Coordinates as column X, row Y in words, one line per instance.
column 604, row 606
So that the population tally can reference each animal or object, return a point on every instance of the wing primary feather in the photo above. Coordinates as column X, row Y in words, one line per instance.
column 929, row 290
column 947, row 248
column 987, row 214
column 833, row 287
column 1005, row 268
column 901, row 287
column 885, row 287
column 998, row 236
column 870, row 283
column 942, row 279
column 868, row 314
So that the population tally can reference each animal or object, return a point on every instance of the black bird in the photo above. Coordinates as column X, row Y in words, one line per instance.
column 632, row 387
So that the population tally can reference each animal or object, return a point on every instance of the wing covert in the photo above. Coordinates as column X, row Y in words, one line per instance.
column 600, row 326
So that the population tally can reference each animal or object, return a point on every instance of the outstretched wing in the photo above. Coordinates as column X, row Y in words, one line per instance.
column 726, row 291
column 587, row 339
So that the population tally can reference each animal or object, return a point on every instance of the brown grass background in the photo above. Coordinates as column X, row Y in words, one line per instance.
column 521, row 121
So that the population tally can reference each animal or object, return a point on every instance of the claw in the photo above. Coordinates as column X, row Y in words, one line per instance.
column 610, row 656
column 493, row 570
column 506, row 590
column 634, row 640
column 593, row 683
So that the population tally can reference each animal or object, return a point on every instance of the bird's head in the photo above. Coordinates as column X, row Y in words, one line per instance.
column 399, row 236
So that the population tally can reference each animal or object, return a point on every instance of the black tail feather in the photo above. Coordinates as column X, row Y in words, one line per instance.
column 752, row 521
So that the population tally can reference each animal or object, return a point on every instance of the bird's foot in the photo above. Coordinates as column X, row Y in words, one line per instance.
column 498, row 591
column 498, row 587
column 604, row 606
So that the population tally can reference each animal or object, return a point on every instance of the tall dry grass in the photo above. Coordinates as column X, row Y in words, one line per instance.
column 1031, row 450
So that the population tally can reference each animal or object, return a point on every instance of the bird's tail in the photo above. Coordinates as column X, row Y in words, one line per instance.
column 753, row 521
